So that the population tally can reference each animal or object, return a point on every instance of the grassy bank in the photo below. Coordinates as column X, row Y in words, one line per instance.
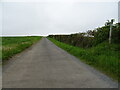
column 14, row 45
column 103, row 57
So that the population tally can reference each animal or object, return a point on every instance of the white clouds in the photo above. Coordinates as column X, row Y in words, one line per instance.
column 119, row 12
column 50, row 18
column 0, row 18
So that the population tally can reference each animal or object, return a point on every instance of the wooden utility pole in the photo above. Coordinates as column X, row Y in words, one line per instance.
column 110, row 33
column 110, row 23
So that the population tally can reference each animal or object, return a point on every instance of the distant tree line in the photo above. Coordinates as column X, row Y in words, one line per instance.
column 91, row 37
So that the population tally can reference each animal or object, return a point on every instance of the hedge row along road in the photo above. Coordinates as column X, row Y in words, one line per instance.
column 44, row 65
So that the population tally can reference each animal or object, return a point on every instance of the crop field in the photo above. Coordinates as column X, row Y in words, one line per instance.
column 14, row 45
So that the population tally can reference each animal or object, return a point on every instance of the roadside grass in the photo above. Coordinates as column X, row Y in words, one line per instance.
column 13, row 45
column 104, row 57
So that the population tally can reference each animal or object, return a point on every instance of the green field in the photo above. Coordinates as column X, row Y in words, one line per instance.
column 13, row 45
column 104, row 57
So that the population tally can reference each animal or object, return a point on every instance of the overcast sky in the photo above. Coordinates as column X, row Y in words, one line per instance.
column 51, row 17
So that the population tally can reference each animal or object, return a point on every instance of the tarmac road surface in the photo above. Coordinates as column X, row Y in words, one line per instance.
column 44, row 65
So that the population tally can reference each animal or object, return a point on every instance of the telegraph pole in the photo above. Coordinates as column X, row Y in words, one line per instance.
column 110, row 32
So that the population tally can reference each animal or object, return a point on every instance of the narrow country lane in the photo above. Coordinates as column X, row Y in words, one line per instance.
column 44, row 65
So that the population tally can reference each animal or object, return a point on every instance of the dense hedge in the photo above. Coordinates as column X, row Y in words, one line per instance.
column 74, row 39
column 91, row 37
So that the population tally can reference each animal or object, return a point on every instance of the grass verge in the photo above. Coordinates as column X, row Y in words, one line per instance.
column 13, row 45
column 103, row 57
